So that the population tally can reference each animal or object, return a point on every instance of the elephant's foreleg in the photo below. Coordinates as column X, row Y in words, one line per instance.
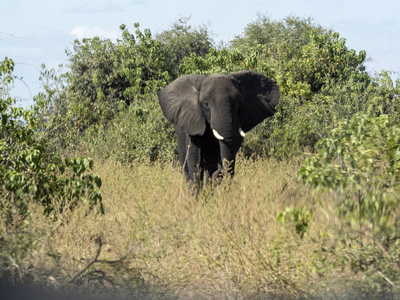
column 194, row 164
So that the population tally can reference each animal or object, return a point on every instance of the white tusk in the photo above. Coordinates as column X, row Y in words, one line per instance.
column 242, row 133
column 217, row 135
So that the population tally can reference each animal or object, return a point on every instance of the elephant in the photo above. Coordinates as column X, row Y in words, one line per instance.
column 211, row 115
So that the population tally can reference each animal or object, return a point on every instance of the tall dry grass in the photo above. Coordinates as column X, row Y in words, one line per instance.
column 226, row 243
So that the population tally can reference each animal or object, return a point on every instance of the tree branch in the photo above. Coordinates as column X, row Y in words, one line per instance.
column 98, row 242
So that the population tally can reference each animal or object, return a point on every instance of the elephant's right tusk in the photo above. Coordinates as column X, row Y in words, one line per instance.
column 242, row 133
column 217, row 135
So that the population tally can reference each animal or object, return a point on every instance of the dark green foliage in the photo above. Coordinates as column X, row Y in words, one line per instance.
column 103, row 77
column 290, row 34
column 181, row 41
column 225, row 62
column 362, row 160
column 323, row 61
column 105, row 72
column 300, row 218
column 321, row 82
column 385, row 95
column 28, row 172
column 139, row 133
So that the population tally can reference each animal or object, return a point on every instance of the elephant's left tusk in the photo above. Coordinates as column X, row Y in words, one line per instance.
column 242, row 133
column 217, row 135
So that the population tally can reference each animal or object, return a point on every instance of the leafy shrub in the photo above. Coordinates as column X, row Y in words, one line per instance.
column 362, row 161
column 299, row 217
column 303, row 56
column 385, row 96
column 102, row 77
column 298, row 124
column 324, row 60
column 139, row 133
column 28, row 171
column 180, row 41
column 223, row 61
column 291, row 32
column 321, row 81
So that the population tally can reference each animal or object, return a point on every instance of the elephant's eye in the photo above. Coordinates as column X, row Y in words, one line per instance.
column 205, row 104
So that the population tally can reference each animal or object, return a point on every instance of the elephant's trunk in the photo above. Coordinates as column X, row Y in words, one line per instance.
column 226, row 129
column 226, row 165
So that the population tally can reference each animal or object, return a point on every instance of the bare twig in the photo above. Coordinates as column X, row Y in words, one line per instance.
column 24, row 83
column 385, row 252
column 387, row 279
column 46, row 131
column 98, row 242
column 14, row 36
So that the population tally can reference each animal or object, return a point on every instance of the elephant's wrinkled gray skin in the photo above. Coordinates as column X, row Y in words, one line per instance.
column 211, row 114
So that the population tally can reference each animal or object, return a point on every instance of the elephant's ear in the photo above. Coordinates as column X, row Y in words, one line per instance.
column 180, row 104
column 260, row 96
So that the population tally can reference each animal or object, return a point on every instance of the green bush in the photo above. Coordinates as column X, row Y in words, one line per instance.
column 29, row 172
column 139, row 133
column 181, row 41
column 361, row 161
column 303, row 56
column 102, row 76
column 300, row 218
column 291, row 32
column 321, row 81
column 324, row 60
column 385, row 96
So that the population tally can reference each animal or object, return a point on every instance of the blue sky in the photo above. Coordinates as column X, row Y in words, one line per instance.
column 36, row 32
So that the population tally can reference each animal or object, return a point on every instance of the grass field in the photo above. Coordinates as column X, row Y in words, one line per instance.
column 259, row 235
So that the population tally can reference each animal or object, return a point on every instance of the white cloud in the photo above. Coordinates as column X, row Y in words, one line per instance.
column 95, row 7
column 88, row 32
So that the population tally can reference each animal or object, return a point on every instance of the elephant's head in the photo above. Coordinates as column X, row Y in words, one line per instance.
column 229, row 105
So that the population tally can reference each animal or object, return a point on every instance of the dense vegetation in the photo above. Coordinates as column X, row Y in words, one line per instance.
column 312, row 211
